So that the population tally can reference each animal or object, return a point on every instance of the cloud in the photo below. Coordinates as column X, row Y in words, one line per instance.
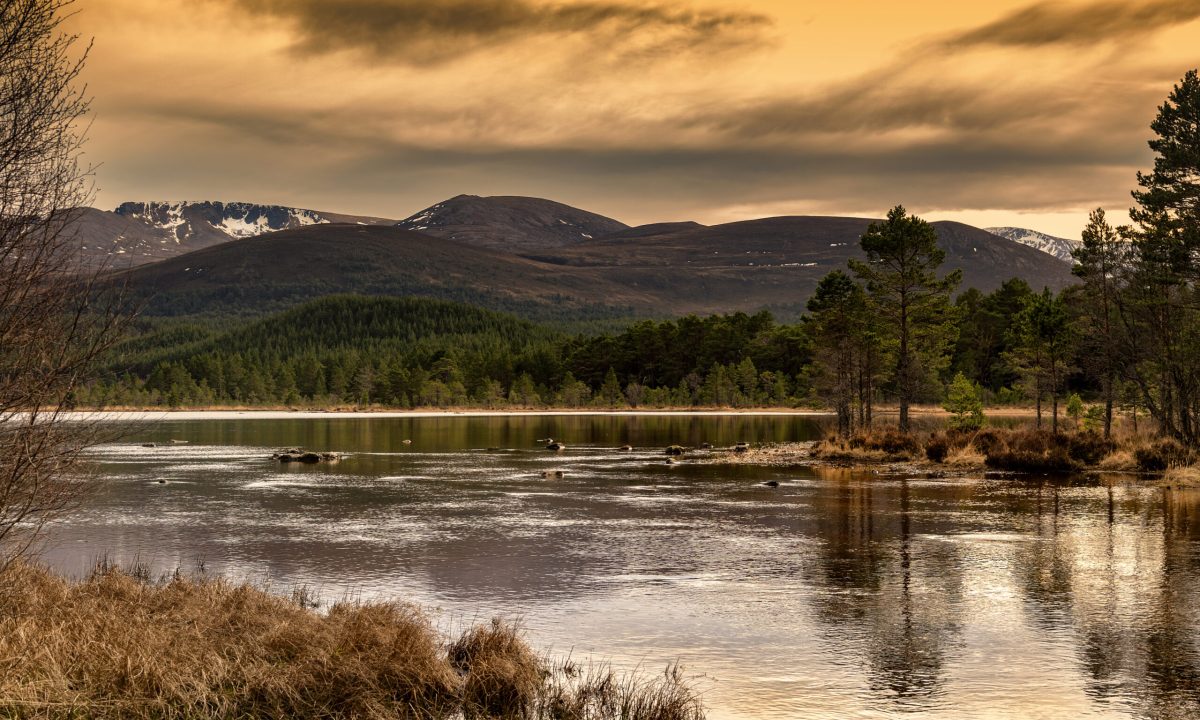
column 432, row 31
column 1054, row 23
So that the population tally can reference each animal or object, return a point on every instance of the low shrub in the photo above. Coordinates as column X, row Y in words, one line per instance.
column 1042, row 451
column 937, row 448
column 891, row 442
column 1053, row 460
column 1089, row 447
column 1161, row 455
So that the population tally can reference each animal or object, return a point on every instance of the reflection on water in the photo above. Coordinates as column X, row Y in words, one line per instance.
column 839, row 594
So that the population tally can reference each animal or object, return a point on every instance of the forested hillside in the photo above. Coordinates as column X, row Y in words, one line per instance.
column 417, row 352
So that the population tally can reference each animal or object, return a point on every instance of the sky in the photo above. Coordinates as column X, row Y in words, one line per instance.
column 991, row 112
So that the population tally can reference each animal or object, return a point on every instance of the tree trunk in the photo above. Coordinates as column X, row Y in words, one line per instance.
column 1054, row 398
column 1037, row 392
column 903, row 369
column 1108, row 406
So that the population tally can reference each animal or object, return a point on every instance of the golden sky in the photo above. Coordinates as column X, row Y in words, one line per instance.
column 993, row 112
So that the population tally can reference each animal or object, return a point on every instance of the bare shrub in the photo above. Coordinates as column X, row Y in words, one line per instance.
column 54, row 319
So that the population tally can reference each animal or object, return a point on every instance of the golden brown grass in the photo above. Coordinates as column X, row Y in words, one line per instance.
column 966, row 456
column 1119, row 460
column 1188, row 476
column 120, row 646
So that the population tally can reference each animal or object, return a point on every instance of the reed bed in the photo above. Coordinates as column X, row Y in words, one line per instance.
column 122, row 645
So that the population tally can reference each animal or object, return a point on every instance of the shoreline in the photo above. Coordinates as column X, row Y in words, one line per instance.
column 257, row 414
column 279, row 413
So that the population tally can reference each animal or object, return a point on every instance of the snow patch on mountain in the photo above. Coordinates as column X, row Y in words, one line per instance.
column 1058, row 247
column 237, row 220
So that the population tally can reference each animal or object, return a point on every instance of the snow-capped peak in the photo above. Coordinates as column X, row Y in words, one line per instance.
column 1058, row 247
column 236, row 220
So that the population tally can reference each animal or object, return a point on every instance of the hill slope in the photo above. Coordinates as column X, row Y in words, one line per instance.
column 137, row 233
column 278, row 270
column 510, row 223
column 773, row 264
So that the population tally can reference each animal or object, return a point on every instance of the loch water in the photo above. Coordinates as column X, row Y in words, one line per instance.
column 837, row 594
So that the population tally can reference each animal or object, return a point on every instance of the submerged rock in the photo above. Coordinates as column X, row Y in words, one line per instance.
column 626, row 448
column 772, row 483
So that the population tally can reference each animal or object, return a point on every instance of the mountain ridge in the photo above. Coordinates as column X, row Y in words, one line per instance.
column 137, row 233
column 773, row 264
column 1051, row 245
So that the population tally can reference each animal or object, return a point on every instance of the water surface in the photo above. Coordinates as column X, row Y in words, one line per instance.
column 838, row 594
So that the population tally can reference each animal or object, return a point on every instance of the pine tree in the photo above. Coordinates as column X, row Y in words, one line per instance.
column 838, row 327
column 964, row 400
column 610, row 394
column 901, row 275
column 1160, row 302
column 1098, row 262
column 1042, row 344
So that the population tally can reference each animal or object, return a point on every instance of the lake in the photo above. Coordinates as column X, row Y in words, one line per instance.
column 839, row 594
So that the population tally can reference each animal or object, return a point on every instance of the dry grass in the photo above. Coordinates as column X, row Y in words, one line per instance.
column 120, row 646
column 775, row 454
column 878, row 446
column 1187, row 476
column 966, row 456
column 1120, row 460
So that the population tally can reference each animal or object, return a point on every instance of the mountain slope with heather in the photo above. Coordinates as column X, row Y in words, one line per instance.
column 661, row 271
column 511, row 223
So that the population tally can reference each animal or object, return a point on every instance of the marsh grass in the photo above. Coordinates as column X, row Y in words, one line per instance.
column 124, row 645
column 1182, row 477
column 879, row 446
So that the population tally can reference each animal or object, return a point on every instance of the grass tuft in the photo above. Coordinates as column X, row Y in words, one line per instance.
column 120, row 645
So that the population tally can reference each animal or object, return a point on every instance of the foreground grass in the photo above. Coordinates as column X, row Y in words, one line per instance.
column 119, row 646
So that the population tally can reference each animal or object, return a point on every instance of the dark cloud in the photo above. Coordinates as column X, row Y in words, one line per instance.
column 1055, row 23
column 431, row 31
column 1001, row 170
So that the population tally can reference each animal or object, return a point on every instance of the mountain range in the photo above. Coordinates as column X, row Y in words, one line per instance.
column 535, row 257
